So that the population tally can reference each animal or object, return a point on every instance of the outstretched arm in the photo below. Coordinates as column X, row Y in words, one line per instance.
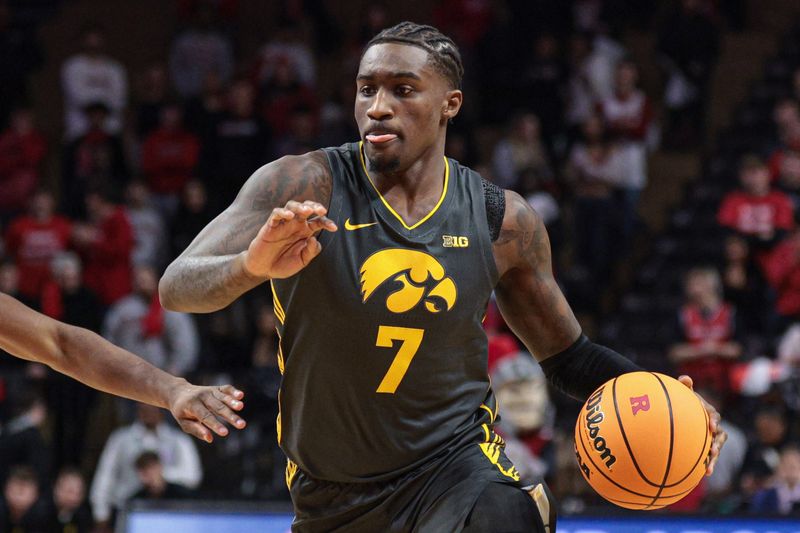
column 535, row 308
column 94, row 361
column 228, row 257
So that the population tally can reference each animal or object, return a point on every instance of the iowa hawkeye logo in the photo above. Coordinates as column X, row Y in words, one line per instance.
column 421, row 277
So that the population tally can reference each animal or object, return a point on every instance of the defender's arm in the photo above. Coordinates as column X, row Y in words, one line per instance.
column 216, row 268
column 89, row 358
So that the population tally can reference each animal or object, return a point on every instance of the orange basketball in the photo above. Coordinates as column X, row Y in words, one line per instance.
column 642, row 440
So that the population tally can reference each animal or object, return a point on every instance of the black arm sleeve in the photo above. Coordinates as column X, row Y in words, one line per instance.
column 584, row 366
column 495, row 200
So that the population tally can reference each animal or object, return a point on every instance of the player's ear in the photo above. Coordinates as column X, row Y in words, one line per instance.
column 452, row 104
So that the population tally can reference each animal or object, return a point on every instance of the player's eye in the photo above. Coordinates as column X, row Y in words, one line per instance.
column 367, row 90
column 404, row 90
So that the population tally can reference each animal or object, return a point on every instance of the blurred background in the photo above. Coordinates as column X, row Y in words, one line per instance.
column 658, row 139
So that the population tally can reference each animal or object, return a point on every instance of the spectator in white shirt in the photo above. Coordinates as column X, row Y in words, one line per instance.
column 115, row 479
column 138, row 323
column 149, row 229
column 520, row 149
column 91, row 76
column 197, row 52
column 628, row 115
column 595, row 167
column 592, row 79
column 287, row 47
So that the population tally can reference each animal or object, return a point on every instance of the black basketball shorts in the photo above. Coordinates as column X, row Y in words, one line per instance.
column 471, row 488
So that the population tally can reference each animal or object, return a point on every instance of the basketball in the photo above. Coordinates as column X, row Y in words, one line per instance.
column 642, row 440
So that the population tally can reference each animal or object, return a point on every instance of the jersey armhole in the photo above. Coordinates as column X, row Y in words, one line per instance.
column 335, row 204
column 495, row 200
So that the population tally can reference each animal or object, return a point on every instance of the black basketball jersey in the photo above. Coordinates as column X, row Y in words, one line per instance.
column 383, row 356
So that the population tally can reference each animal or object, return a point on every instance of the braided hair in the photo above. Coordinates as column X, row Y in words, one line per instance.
column 442, row 51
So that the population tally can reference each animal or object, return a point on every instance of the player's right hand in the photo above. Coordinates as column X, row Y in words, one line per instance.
column 287, row 242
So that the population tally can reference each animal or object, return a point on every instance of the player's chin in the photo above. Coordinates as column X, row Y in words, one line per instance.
column 383, row 161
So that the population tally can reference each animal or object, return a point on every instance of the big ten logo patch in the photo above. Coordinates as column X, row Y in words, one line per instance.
column 639, row 403
column 454, row 241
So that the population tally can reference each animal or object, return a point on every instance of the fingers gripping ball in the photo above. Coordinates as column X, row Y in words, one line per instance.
column 642, row 440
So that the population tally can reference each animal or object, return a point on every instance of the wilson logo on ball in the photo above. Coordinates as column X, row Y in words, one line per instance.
column 594, row 417
column 639, row 403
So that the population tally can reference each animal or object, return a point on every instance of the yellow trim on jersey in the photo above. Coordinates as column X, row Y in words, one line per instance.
column 291, row 471
column 278, row 420
column 389, row 207
column 488, row 410
column 280, row 314
column 492, row 452
column 281, row 364
column 486, row 430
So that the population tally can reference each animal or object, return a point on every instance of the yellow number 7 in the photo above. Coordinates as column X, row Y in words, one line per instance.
column 411, row 339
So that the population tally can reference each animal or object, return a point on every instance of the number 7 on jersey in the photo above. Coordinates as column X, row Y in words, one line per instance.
column 411, row 338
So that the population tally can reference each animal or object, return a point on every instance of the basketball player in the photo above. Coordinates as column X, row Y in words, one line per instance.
column 386, row 411
column 94, row 361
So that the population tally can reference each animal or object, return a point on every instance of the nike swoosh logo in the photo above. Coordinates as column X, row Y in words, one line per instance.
column 351, row 227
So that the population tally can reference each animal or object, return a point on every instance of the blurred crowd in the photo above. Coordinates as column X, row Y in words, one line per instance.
column 554, row 109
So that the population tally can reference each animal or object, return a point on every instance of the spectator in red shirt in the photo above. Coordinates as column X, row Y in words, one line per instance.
column 22, row 149
column 707, row 327
column 169, row 157
column 756, row 211
column 782, row 270
column 283, row 93
column 33, row 240
column 471, row 24
column 106, row 244
column 502, row 343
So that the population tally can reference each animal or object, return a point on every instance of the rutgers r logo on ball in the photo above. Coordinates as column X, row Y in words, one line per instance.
column 639, row 403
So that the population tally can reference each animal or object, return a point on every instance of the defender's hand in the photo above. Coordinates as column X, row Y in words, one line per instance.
column 720, row 435
column 287, row 242
column 199, row 410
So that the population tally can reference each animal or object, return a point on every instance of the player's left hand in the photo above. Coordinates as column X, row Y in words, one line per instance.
column 714, row 418
column 201, row 410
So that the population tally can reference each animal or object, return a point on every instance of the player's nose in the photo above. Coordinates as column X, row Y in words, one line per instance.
column 380, row 108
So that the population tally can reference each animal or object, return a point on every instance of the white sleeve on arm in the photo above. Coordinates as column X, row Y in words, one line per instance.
column 69, row 81
column 111, row 324
column 102, row 492
column 184, row 344
column 186, row 469
column 119, row 90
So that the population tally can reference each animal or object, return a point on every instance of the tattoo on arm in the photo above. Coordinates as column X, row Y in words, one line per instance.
column 528, row 296
column 209, row 274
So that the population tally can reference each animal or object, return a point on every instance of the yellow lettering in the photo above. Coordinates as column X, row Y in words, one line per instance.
column 411, row 339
